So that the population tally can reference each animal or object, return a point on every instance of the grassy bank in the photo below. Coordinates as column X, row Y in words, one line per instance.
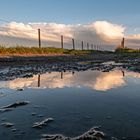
column 20, row 50
column 127, row 50
column 33, row 51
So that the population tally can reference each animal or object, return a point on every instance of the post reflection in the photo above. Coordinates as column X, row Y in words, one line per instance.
column 123, row 73
column 73, row 72
column 95, row 80
column 39, row 80
column 61, row 75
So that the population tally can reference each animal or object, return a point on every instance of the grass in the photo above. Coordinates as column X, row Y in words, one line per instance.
column 21, row 50
column 127, row 50
column 27, row 51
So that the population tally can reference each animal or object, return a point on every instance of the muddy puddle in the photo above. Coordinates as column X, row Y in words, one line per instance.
column 78, row 102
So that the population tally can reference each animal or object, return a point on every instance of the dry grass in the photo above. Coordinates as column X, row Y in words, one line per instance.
column 29, row 51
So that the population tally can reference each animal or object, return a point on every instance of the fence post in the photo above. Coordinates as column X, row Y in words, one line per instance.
column 73, row 43
column 39, row 38
column 82, row 45
column 62, row 41
column 87, row 46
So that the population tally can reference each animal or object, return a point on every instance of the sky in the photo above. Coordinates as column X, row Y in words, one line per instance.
column 117, row 13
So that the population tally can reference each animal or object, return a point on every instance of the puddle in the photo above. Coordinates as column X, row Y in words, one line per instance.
column 76, row 99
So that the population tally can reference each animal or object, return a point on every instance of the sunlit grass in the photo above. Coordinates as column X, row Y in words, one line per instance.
column 21, row 50
column 127, row 50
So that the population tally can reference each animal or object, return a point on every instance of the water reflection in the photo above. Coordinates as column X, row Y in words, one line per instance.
column 90, row 79
column 39, row 80
column 106, row 81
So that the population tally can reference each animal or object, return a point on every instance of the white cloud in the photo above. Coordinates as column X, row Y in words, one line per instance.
column 99, row 32
column 19, row 30
column 53, row 30
column 134, row 37
column 108, row 30
column 110, row 80
column 98, row 81
column 49, row 31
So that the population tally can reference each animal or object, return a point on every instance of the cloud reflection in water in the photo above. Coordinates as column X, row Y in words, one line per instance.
column 90, row 79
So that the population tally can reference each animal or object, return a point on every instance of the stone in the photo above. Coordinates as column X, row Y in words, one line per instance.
column 42, row 123
column 33, row 114
column 7, row 124
column 92, row 134
column 15, row 105
column 13, row 130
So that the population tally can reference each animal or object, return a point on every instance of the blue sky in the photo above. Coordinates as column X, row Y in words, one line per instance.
column 72, row 11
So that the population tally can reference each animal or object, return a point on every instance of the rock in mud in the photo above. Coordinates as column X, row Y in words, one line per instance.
column 42, row 123
column 5, row 110
column 15, row 105
column 28, row 75
column 13, row 130
column 92, row 134
column 20, row 89
column 54, row 137
column 33, row 114
column 7, row 124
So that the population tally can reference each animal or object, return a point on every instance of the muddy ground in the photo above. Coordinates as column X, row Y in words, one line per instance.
column 16, row 67
column 98, row 57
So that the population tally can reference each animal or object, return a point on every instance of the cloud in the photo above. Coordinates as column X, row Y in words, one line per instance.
column 18, row 30
column 99, row 32
column 109, row 31
column 110, row 80
column 49, row 32
column 98, row 81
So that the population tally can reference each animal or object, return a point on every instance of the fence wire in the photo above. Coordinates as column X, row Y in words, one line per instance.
column 10, row 36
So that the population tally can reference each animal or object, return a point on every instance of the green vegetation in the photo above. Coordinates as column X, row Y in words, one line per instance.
column 21, row 50
column 127, row 50
column 125, row 54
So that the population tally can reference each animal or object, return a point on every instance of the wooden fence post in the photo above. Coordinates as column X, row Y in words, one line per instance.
column 87, row 46
column 82, row 45
column 62, row 42
column 73, row 43
column 39, row 38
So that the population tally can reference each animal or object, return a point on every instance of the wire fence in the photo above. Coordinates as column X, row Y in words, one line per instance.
column 39, row 37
